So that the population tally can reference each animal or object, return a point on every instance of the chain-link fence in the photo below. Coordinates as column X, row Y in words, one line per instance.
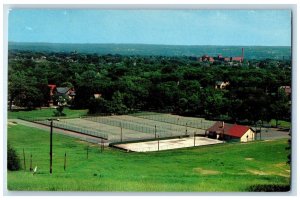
column 66, row 126
column 198, row 123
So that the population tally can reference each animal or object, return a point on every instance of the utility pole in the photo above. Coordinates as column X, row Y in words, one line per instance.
column 51, row 133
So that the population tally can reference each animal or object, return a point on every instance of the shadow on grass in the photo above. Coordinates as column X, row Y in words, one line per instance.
column 269, row 188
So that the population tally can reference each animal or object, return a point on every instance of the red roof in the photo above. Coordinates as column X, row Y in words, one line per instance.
column 218, row 127
column 237, row 130
column 237, row 59
column 233, row 130
column 51, row 86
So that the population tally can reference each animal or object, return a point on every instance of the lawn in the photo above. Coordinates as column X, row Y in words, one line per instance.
column 281, row 123
column 223, row 167
column 45, row 112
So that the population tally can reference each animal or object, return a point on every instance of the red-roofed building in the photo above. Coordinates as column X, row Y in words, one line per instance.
column 52, row 90
column 225, row 131
column 237, row 59
column 286, row 89
column 207, row 58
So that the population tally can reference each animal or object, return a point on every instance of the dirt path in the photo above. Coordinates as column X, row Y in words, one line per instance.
column 56, row 130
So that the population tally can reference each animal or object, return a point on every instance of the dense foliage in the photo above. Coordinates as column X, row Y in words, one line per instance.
column 13, row 160
column 176, row 84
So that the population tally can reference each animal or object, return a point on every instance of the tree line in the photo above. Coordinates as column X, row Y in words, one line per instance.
column 181, row 85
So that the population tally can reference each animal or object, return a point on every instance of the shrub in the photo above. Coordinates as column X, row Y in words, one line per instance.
column 13, row 160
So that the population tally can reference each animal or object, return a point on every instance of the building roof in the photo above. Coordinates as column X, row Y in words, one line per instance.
column 237, row 59
column 233, row 130
column 62, row 90
column 219, row 82
column 218, row 127
column 237, row 130
column 51, row 86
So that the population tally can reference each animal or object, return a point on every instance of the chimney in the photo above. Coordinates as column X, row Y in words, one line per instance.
column 242, row 54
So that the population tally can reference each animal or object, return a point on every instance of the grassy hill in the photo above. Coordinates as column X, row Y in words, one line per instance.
column 224, row 167
column 251, row 52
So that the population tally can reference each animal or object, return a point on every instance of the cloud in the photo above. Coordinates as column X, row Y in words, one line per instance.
column 28, row 28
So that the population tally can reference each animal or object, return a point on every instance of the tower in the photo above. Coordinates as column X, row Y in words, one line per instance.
column 242, row 54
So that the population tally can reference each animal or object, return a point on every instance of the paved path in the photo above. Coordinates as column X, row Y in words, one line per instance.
column 272, row 133
column 57, row 130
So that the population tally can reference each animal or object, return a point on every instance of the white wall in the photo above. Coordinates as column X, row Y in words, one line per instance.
column 250, row 134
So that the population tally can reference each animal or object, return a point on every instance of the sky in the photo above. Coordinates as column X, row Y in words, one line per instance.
column 172, row 27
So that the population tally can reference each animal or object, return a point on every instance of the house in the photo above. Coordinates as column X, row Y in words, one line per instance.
column 97, row 95
column 225, row 131
column 206, row 58
column 221, row 84
column 65, row 91
column 52, row 91
column 286, row 89
column 237, row 59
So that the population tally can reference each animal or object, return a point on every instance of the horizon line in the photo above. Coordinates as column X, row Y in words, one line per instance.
column 88, row 43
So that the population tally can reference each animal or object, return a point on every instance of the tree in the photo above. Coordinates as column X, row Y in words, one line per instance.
column 98, row 106
column 215, row 103
column 16, row 83
column 25, row 91
column 61, row 103
column 117, row 105
column 280, row 107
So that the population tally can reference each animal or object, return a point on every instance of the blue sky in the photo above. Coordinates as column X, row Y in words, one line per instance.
column 174, row 27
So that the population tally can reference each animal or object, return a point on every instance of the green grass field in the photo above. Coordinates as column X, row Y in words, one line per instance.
column 45, row 112
column 281, row 123
column 224, row 167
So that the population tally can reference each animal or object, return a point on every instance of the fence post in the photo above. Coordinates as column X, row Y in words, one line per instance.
column 30, row 168
column 65, row 162
column 24, row 159
column 260, row 132
column 158, row 143
column 155, row 131
column 185, row 128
